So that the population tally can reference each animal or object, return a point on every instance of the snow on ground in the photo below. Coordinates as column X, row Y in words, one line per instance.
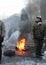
column 12, row 41
column 19, row 60
column 22, row 60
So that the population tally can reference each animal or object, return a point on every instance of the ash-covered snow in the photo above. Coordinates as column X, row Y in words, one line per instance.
column 12, row 41
column 19, row 60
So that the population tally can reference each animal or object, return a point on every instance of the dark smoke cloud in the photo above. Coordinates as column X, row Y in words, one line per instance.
column 43, row 9
column 28, row 14
column 24, row 22
column 33, row 8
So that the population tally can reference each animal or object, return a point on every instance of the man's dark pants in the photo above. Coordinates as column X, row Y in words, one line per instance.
column 38, row 46
column 1, row 40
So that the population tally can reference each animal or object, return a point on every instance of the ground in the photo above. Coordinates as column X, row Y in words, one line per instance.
column 22, row 60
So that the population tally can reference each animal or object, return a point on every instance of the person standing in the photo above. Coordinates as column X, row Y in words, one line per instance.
column 38, row 35
column 2, row 34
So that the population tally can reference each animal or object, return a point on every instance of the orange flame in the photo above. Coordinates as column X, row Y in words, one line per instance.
column 21, row 44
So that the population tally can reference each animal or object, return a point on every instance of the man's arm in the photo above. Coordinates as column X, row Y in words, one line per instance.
column 34, row 32
column 3, row 30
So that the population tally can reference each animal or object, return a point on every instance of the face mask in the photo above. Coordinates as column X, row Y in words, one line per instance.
column 37, row 19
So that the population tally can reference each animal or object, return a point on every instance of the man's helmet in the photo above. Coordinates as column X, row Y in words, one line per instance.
column 38, row 16
column 38, row 19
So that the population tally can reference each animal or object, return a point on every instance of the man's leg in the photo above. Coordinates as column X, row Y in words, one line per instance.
column 39, row 48
column 0, row 51
column 1, row 40
column 36, row 46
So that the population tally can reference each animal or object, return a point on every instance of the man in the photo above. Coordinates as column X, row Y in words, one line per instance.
column 38, row 35
column 2, row 34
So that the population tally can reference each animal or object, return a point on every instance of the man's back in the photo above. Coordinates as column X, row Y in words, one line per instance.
column 38, row 31
column 2, row 34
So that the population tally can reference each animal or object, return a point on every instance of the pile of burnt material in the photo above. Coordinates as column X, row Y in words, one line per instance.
column 9, row 53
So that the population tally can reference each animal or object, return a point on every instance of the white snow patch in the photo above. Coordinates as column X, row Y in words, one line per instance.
column 12, row 41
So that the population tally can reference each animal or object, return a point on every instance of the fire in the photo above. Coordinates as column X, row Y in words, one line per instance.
column 21, row 44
